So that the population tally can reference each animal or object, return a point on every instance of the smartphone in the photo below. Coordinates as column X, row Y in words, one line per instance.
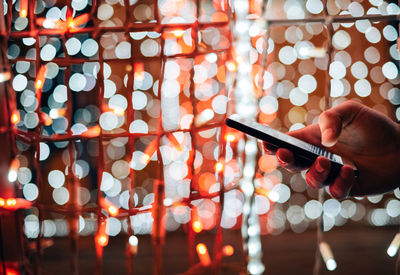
column 304, row 152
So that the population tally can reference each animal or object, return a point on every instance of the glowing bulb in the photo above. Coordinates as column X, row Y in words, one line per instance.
column 133, row 244
column 145, row 159
column 174, row 142
column 178, row 33
column 113, row 210
column 11, row 202
column 109, row 207
column 228, row 250
column 327, row 255
column 202, row 252
column 102, row 240
column 148, row 152
column 47, row 120
column 92, row 131
column 40, row 77
column 118, row 111
column 2, row 202
column 394, row 246
column 13, row 170
column 197, row 226
column 231, row 66
column 230, row 137
column 23, row 9
column 101, row 237
column 15, row 117
column 219, row 167
column 139, row 71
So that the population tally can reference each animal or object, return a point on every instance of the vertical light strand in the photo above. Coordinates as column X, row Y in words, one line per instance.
column 158, row 230
column 131, row 139
column 246, row 106
column 100, row 159
column 36, row 139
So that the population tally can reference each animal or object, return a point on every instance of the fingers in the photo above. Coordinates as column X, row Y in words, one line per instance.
column 310, row 134
column 343, row 183
column 290, row 162
column 332, row 121
column 269, row 148
column 318, row 173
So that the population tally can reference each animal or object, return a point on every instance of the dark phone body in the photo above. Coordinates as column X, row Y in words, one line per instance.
column 304, row 152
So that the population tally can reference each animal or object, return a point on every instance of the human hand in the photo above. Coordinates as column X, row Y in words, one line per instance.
column 361, row 135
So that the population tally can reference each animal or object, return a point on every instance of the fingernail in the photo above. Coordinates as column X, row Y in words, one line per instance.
column 321, row 165
column 280, row 159
column 327, row 133
column 319, row 168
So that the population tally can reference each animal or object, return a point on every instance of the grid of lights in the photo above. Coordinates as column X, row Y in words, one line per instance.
column 121, row 108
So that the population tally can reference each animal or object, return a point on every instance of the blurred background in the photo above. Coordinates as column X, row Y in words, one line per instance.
column 116, row 158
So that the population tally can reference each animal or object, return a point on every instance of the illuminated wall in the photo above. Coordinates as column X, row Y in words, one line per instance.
column 117, row 114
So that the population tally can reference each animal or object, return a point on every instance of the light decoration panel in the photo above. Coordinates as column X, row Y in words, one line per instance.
column 117, row 113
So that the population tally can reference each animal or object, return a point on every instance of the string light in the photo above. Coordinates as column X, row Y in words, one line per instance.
column 15, row 117
column 101, row 237
column 133, row 244
column 327, row 256
column 15, row 203
column 178, row 32
column 394, row 246
column 13, row 170
column 230, row 137
column 109, row 207
column 197, row 226
column 228, row 250
column 40, row 78
column 203, row 255
column 149, row 151
column 23, row 9
column 219, row 166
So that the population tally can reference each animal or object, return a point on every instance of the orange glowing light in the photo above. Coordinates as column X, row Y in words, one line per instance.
column 15, row 204
column 113, row 210
column 79, row 20
column 40, row 77
column 228, row 250
column 10, row 271
column 262, row 191
column 149, row 151
column 201, row 249
column 267, row 163
column 139, row 71
column 230, row 137
column 174, row 142
column 47, row 120
column 118, row 111
column 23, row 8
column 11, row 202
column 202, row 252
column 178, row 33
column 71, row 24
column 219, row 167
column 231, row 66
column 92, row 131
column 101, row 237
column 102, row 240
column 197, row 226
column 15, row 117
column 109, row 207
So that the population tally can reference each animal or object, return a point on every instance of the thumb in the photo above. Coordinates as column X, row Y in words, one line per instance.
column 330, row 125
column 332, row 121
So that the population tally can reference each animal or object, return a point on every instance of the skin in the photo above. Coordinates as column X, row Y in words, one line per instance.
column 362, row 136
